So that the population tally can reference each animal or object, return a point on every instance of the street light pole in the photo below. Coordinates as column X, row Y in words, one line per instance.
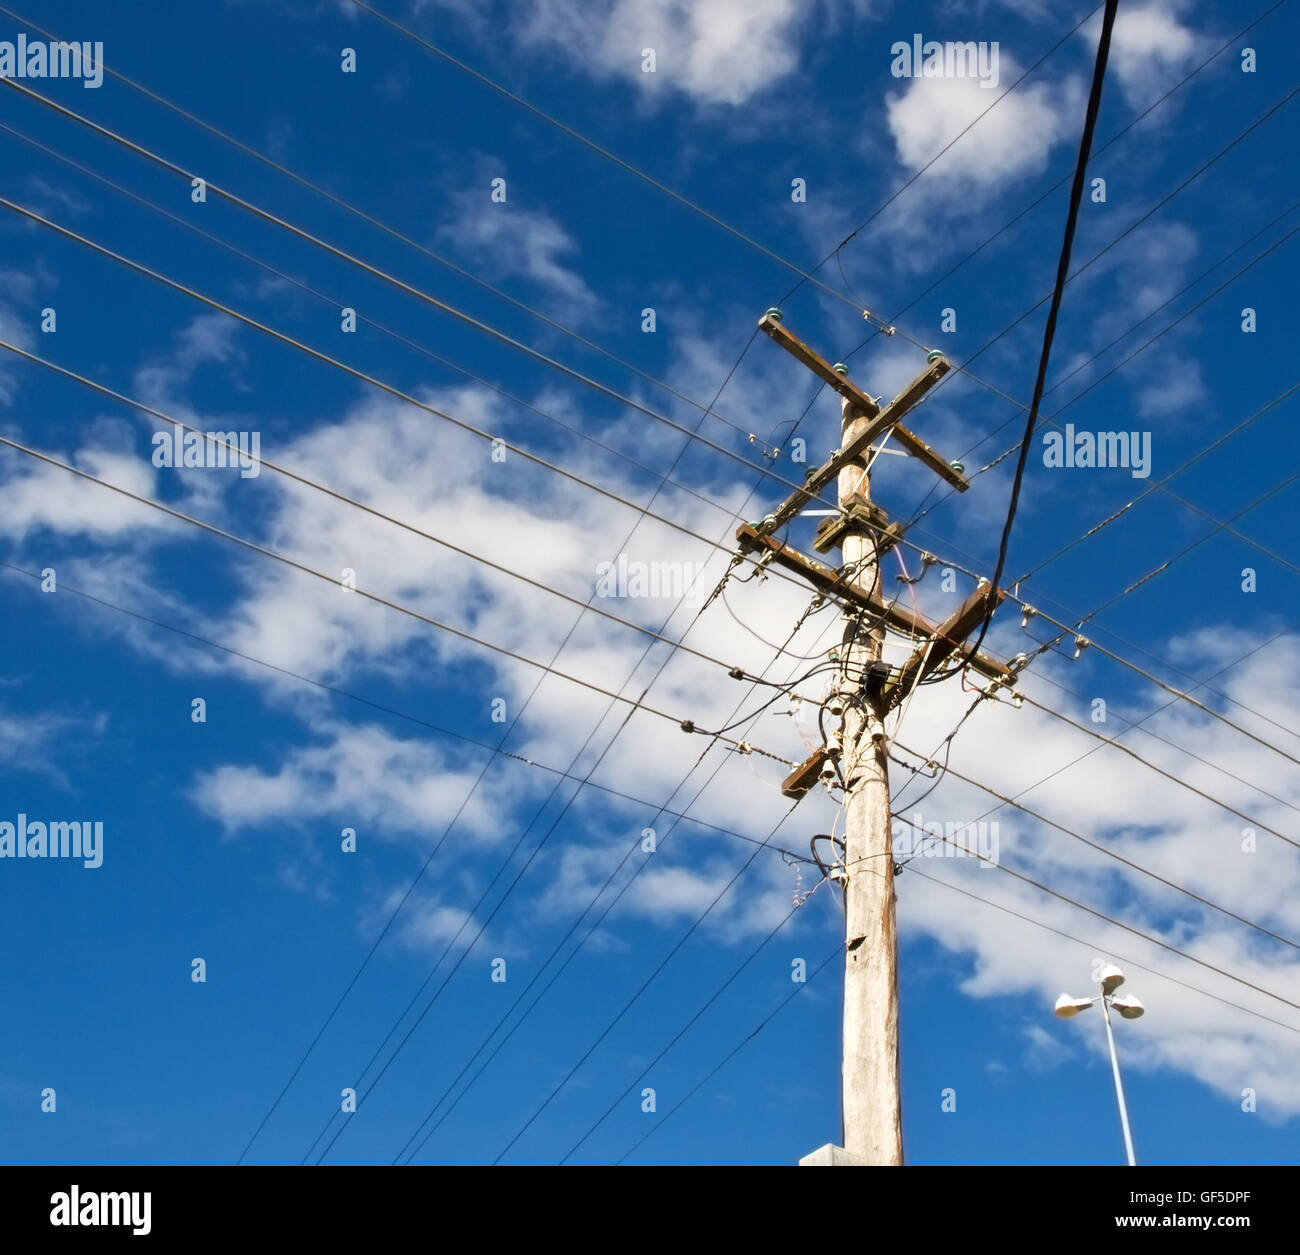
column 1119, row 1085
column 1110, row 978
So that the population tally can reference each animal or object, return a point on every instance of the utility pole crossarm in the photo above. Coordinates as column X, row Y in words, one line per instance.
column 882, row 420
column 946, row 640
column 770, row 324
column 825, row 580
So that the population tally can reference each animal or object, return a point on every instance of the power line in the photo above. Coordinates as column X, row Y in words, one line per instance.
column 1031, row 424
column 360, row 592
column 302, row 181
column 152, row 156
column 726, row 984
column 395, row 234
column 504, row 863
column 1095, row 257
column 596, row 923
column 528, row 1010
column 1137, row 932
column 381, row 708
column 836, row 952
column 1220, row 526
column 555, row 823
column 1146, row 344
column 476, row 323
column 804, row 276
column 419, row 294
column 1119, row 858
column 1168, row 688
column 374, row 271
column 1124, row 130
column 1164, row 479
column 1139, row 724
column 988, row 344
column 356, row 373
column 763, row 844
column 1062, row 275
column 388, row 230
column 609, row 745
column 537, row 975
column 482, row 1046
column 922, row 510
column 634, row 705
column 361, row 318
column 344, row 499
column 643, row 987
column 536, row 850
column 967, row 128
column 1128, row 962
column 1067, row 630
column 1182, row 749
column 727, row 1058
column 582, row 139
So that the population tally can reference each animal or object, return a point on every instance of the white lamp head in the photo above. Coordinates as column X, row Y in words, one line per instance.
column 1067, row 1006
column 1111, row 978
column 1128, row 1006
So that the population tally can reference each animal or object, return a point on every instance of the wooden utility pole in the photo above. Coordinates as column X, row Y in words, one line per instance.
column 873, row 1127
column 868, row 688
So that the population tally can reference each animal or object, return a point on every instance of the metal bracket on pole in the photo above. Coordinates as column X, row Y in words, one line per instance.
column 857, row 512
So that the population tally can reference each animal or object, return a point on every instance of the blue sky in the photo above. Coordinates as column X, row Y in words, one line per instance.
column 223, row 838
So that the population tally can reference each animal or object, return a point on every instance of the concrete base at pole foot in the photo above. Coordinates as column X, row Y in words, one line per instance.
column 831, row 1156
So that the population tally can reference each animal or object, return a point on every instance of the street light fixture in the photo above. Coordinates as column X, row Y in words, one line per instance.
column 1131, row 1008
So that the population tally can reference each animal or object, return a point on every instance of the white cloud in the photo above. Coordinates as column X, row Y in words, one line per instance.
column 30, row 742
column 386, row 787
column 425, row 923
column 207, row 339
column 504, row 241
column 24, row 294
column 717, row 52
column 1150, row 50
column 1014, row 138
column 39, row 496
